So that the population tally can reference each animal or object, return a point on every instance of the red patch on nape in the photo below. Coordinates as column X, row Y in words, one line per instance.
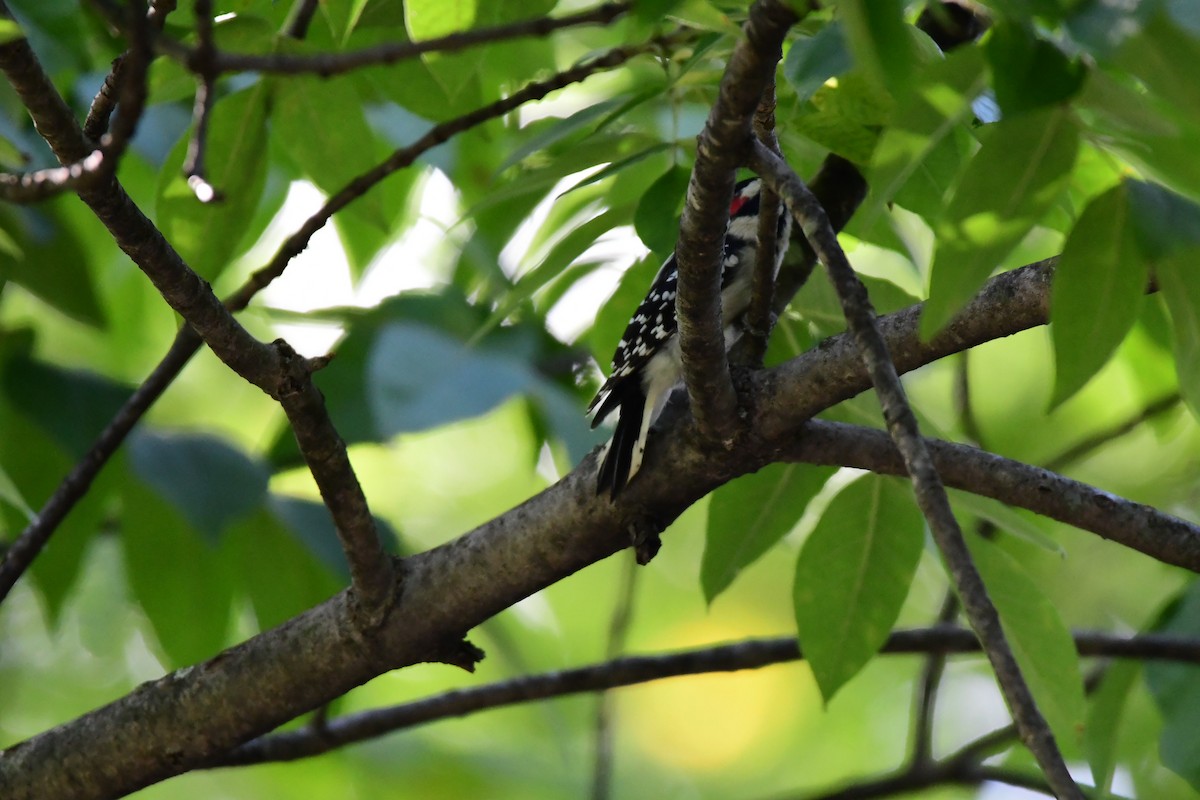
column 736, row 203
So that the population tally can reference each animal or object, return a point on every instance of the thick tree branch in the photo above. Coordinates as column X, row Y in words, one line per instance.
column 193, row 716
column 927, row 483
column 941, row 640
column 699, row 252
column 759, row 320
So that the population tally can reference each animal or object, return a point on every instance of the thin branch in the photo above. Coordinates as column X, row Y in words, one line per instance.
column 202, row 63
column 630, row 670
column 328, row 64
column 304, row 10
column 700, row 251
column 1097, row 440
column 74, row 486
column 105, row 101
column 759, row 320
column 927, row 691
column 927, row 483
column 618, row 632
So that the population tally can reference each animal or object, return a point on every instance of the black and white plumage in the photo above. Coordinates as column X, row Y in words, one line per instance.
column 647, row 364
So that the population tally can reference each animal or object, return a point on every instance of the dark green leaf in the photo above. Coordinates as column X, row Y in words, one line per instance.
column 812, row 60
column 1098, row 289
column 879, row 39
column 776, row 497
column 1176, row 691
column 71, row 405
column 846, row 117
column 1179, row 281
column 1163, row 221
column 180, row 582
column 41, row 251
column 208, row 235
column 10, row 494
column 1040, row 641
column 656, row 219
column 309, row 524
column 1027, row 71
column 926, row 120
column 852, row 576
column 1018, row 173
column 209, row 482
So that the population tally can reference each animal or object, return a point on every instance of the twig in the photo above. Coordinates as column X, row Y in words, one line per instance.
column 927, row 484
column 105, row 101
column 206, row 89
column 630, row 670
column 926, row 695
column 699, row 251
column 298, row 27
column 759, row 320
column 1094, row 442
column 1134, row 525
column 329, row 64
column 618, row 631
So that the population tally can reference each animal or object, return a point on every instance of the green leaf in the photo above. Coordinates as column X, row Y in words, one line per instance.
column 735, row 538
column 879, row 39
column 9, row 493
column 1164, row 221
column 1179, row 281
column 852, row 576
column 555, row 131
column 296, row 580
column 1098, row 289
column 430, row 19
column 1019, row 172
column 72, row 406
column 181, row 583
column 1176, row 691
column 208, row 235
column 10, row 31
column 926, row 117
column 209, row 482
column 1105, row 709
column 846, row 117
column 1028, row 71
column 812, row 60
column 336, row 142
column 1008, row 519
column 656, row 219
column 1040, row 641
column 41, row 251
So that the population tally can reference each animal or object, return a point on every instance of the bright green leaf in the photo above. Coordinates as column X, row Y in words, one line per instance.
column 1098, row 289
column 1017, row 522
column 846, row 116
column 180, row 582
column 557, row 130
column 1040, row 641
column 322, row 128
column 852, row 576
column 10, row 31
column 1018, row 173
column 776, row 497
column 208, row 235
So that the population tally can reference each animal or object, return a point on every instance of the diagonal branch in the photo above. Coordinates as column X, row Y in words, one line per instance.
column 75, row 485
column 927, row 483
column 720, row 150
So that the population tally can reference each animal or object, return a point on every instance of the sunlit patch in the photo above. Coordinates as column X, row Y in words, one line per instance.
column 710, row 721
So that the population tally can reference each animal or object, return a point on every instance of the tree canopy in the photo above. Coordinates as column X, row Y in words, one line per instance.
column 301, row 305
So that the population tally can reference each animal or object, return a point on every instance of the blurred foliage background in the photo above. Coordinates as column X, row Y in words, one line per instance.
column 469, row 298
